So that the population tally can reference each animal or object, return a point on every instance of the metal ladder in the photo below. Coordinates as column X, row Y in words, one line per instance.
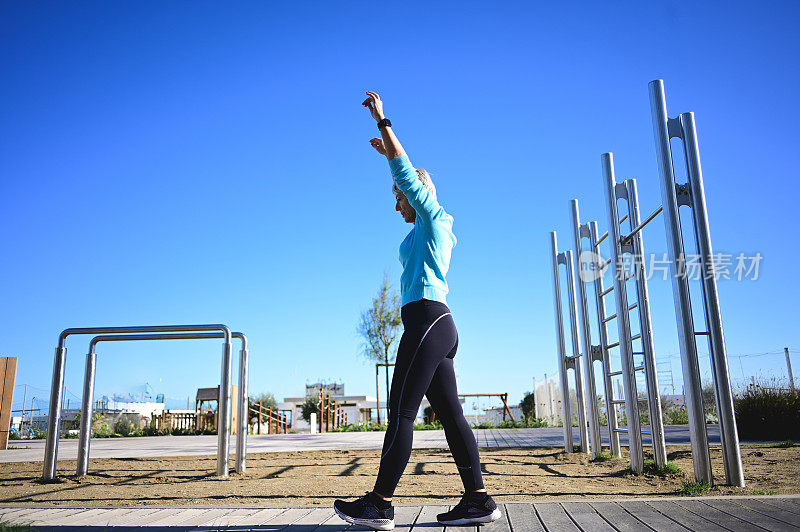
column 619, row 245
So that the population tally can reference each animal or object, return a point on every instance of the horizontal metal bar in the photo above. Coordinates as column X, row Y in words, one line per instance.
column 633, row 306
column 641, row 399
column 605, row 235
column 631, row 276
column 638, row 368
column 615, row 344
column 701, row 333
column 622, row 430
column 623, row 219
column 609, row 318
column 638, row 352
column 605, row 265
column 641, row 225
column 615, row 373
column 618, row 401
column 636, row 336
column 572, row 357
column 647, row 433
column 607, row 291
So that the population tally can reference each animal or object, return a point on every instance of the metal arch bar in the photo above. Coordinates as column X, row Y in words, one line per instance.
column 88, row 390
column 566, row 415
column 680, row 286
column 641, row 225
column 732, row 455
column 59, row 365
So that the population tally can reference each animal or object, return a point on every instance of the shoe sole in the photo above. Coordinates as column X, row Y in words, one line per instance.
column 494, row 516
column 375, row 524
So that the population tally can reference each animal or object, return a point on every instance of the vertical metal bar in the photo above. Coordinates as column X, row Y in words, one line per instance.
column 566, row 415
column 645, row 322
column 580, row 397
column 244, row 410
column 586, row 337
column 54, row 415
column 86, row 413
column 224, row 411
column 623, row 319
column 788, row 368
column 680, row 287
column 611, row 412
column 719, row 358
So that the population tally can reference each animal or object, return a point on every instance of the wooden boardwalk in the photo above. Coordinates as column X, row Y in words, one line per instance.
column 731, row 514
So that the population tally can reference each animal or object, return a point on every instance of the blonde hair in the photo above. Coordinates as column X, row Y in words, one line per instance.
column 424, row 178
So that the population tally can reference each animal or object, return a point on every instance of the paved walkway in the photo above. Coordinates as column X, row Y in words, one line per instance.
column 708, row 514
column 150, row 446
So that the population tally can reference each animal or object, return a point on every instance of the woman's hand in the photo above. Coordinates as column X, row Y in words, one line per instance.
column 375, row 105
column 378, row 145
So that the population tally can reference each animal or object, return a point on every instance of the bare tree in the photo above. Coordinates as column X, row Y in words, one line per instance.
column 379, row 327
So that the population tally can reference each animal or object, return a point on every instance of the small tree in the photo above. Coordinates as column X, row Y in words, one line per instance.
column 379, row 327
column 309, row 406
column 528, row 406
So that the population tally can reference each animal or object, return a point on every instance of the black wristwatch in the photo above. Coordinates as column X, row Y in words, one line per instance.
column 384, row 122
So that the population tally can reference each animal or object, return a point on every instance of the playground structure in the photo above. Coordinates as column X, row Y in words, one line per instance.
column 674, row 195
column 503, row 397
column 331, row 416
column 157, row 332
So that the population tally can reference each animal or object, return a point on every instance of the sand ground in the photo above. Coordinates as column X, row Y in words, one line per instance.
column 318, row 477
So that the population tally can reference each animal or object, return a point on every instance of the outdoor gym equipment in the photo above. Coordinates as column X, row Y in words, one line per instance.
column 88, row 391
column 674, row 195
column 59, row 365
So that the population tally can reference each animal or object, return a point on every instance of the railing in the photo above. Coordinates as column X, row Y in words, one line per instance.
column 331, row 414
column 175, row 421
column 269, row 417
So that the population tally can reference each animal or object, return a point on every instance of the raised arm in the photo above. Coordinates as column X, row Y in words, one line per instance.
column 404, row 174
column 390, row 147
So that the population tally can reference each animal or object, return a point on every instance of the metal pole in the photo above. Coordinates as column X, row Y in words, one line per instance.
column 614, row 192
column 611, row 411
column 645, row 323
column 378, row 393
column 788, row 368
column 54, row 415
column 586, row 335
column 86, row 413
column 680, row 286
column 244, row 407
column 580, row 397
column 566, row 415
column 719, row 359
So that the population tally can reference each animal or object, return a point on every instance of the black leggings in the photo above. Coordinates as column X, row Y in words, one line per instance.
column 424, row 366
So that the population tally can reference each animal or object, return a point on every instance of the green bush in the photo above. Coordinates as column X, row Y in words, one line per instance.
column 676, row 416
column 361, row 427
column 124, row 427
column 14, row 435
column 482, row 425
column 768, row 414
column 436, row 425
column 533, row 423
column 100, row 428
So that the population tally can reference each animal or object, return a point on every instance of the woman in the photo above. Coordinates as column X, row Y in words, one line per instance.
column 424, row 364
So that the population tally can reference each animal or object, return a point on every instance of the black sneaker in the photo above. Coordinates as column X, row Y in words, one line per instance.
column 364, row 511
column 473, row 509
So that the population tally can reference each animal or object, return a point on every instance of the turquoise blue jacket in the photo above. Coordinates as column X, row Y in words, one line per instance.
column 425, row 252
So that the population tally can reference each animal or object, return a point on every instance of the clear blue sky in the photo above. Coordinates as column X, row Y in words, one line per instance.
column 199, row 162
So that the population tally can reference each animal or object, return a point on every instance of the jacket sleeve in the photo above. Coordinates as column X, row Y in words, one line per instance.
column 419, row 197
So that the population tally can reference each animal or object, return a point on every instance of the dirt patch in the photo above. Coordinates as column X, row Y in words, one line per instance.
column 319, row 477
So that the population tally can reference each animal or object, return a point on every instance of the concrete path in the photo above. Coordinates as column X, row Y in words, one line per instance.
column 150, row 446
column 711, row 514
